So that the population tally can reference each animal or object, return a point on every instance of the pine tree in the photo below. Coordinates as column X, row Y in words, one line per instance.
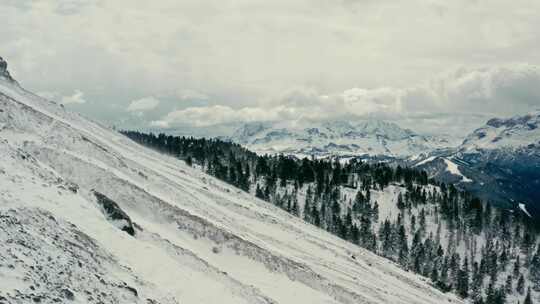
column 359, row 202
column 422, row 220
column 315, row 216
column 478, row 300
column 375, row 212
column 534, row 270
column 365, row 231
column 434, row 276
column 517, row 266
column 259, row 193
column 308, row 206
column 500, row 296
column 520, row 287
column 490, row 294
column 403, row 255
column 267, row 193
column 386, row 239
column 476, row 280
column 508, row 285
column 400, row 203
column 463, row 280
column 294, row 209
column 355, row 234
column 528, row 299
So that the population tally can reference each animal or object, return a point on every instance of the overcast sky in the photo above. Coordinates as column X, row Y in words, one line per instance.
column 433, row 66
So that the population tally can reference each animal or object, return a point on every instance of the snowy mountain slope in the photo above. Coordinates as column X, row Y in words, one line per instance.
column 196, row 239
column 371, row 137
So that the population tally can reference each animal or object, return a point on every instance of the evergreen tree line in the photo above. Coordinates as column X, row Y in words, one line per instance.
column 462, row 244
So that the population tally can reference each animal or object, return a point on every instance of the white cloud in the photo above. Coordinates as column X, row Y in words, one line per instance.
column 143, row 104
column 252, row 46
column 192, row 95
column 465, row 95
column 242, row 53
column 76, row 98
column 216, row 114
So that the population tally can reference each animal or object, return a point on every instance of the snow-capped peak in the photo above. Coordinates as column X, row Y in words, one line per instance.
column 386, row 129
column 250, row 129
column 528, row 119
column 340, row 137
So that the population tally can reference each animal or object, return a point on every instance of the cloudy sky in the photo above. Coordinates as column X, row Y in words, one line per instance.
column 431, row 65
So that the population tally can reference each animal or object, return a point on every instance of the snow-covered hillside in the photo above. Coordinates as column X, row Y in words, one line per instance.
column 369, row 137
column 88, row 216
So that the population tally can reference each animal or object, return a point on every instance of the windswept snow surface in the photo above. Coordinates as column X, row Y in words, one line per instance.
column 197, row 240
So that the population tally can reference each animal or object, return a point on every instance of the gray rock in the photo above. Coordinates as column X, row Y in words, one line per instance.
column 114, row 212
column 4, row 73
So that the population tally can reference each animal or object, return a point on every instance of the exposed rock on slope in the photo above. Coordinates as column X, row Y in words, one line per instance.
column 114, row 214
column 4, row 73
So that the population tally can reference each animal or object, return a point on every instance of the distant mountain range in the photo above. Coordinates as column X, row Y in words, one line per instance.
column 337, row 138
column 499, row 161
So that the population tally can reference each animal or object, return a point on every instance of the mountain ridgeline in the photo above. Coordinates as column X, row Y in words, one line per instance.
column 460, row 243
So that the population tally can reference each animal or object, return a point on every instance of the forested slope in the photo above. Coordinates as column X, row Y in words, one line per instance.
column 462, row 244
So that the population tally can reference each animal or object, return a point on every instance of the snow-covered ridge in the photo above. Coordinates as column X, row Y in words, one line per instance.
column 195, row 240
column 371, row 137
column 513, row 133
